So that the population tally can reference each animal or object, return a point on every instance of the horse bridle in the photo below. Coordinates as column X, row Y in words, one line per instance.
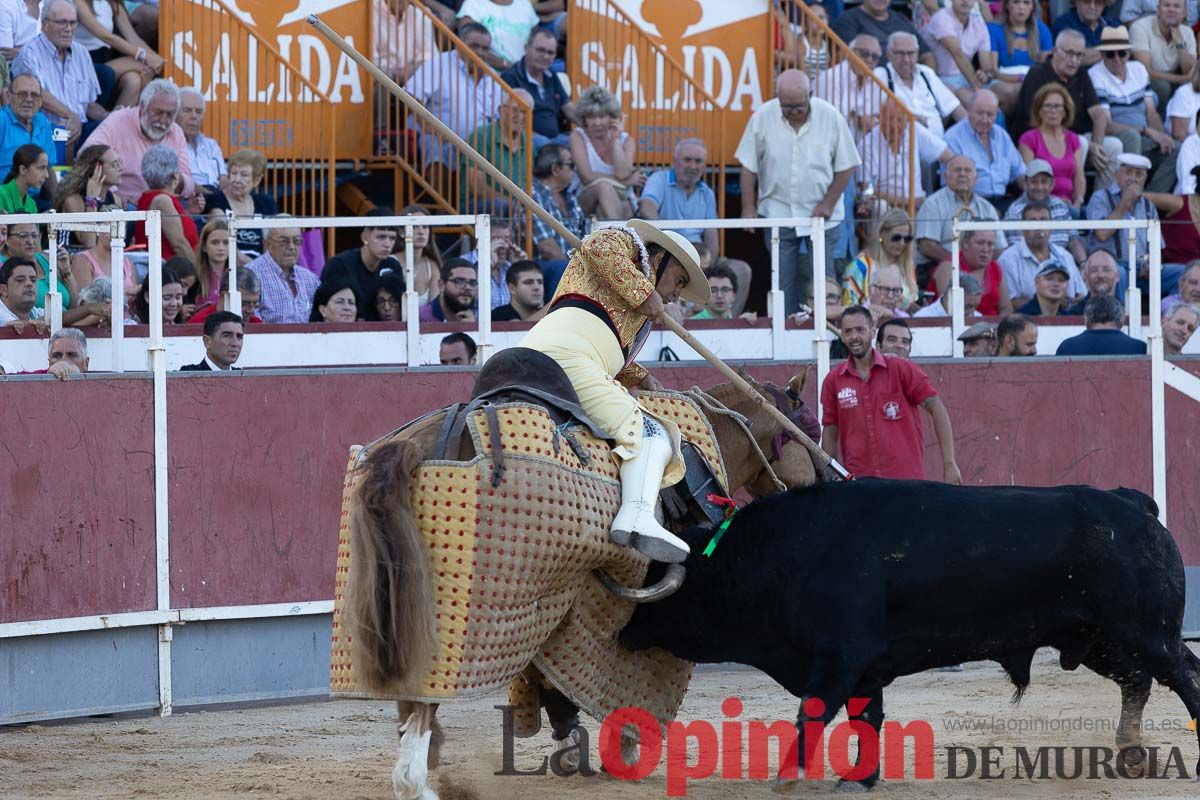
column 785, row 399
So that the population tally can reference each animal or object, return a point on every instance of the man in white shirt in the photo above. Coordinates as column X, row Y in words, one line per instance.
column 204, row 154
column 797, row 156
column 918, row 86
column 457, row 91
column 18, row 295
column 1165, row 46
column 1024, row 261
column 851, row 92
column 896, row 170
column 1186, row 164
column 17, row 27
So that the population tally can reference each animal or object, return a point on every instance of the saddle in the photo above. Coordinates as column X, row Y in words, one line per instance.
column 521, row 374
column 516, row 374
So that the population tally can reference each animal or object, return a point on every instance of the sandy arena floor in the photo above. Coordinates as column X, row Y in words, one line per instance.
column 345, row 749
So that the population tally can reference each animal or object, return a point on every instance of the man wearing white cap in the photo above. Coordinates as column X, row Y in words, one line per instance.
column 1039, row 185
column 1124, row 199
column 615, row 285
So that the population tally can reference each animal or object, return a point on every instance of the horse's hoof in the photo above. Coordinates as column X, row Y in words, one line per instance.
column 571, row 751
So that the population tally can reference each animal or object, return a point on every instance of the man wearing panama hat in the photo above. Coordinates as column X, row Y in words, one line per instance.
column 616, row 284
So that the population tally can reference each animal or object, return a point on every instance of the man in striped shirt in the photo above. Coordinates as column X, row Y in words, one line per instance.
column 70, row 88
column 1039, row 182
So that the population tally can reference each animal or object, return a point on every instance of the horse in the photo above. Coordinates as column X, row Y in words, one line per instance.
column 390, row 594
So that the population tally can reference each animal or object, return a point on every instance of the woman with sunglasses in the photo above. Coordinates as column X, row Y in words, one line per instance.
column 890, row 244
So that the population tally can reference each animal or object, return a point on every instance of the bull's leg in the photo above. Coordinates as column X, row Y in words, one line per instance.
column 872, row 714
column 820, row 702
column 1109, row 659
column 418, row 751
column 1179, row 670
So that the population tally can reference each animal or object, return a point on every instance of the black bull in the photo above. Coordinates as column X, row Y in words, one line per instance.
column 836, row 590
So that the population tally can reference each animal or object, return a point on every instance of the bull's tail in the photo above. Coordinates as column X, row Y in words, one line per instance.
column 1139, row 499
column 389, row 596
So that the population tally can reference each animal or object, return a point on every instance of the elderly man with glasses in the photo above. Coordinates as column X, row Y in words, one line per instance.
column 22, row 122
column 287, row 287
column 1063, row 67
column 71, row 88
column 792, row 135
column 918, row 86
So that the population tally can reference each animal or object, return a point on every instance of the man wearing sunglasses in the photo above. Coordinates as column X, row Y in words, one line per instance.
column 1166, row 46
column 1123, row 86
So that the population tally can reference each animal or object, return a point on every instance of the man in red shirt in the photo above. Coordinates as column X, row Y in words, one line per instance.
column 870, row 409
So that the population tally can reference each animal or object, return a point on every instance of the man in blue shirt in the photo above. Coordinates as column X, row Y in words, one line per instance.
column 1088, row 18
column 551, row 105
column 1103, row 317
column 998, row 163
column 681, row 193
column 22, row 122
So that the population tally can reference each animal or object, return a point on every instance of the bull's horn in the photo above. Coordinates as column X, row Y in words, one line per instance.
column 651, row 594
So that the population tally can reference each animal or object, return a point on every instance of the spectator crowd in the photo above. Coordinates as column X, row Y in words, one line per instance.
column 1088, row 114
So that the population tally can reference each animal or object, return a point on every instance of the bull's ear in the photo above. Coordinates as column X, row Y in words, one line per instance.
column 744, row 375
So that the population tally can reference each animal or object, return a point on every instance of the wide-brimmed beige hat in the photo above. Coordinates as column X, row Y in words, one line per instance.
column 685, row 253
column 1114, row 39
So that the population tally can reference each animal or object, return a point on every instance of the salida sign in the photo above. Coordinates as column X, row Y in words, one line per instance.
column 225, row 48
column 719, row 43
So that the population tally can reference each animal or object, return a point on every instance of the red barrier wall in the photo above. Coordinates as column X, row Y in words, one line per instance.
column 256, row 465
column 76, row 534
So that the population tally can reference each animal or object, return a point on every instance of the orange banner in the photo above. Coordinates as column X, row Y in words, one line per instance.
column 267, row 74
column 720, row 44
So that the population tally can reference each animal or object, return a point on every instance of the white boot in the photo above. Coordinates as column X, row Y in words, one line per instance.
column 641, row 479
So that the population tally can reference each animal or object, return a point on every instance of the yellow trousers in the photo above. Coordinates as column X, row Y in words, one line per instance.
column 588, row 352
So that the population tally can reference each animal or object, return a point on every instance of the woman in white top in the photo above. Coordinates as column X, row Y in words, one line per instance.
column 603, row 153
column 106, row 31
column 427, row 262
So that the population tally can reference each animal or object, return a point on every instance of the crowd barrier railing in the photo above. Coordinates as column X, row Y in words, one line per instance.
column 481, row 224
column 1133, row 295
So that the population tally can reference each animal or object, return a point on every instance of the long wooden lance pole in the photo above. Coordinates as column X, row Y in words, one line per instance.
column 820, row 457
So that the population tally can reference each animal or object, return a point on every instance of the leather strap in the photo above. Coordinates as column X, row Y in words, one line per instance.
column 439, row 450
column 494, row 440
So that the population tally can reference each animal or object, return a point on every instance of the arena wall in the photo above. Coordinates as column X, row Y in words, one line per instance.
column 255, row 467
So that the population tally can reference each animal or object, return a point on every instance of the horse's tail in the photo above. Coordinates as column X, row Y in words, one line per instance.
column 389, row 596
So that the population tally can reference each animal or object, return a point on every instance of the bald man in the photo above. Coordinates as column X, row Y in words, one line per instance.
column 997, row 161
column 797, row 156
column 935, row 218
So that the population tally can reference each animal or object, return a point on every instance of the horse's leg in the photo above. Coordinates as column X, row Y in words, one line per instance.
column 564, row 722
column 418, row 751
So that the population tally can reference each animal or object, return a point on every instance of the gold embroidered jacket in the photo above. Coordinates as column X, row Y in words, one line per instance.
column 606, row 269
